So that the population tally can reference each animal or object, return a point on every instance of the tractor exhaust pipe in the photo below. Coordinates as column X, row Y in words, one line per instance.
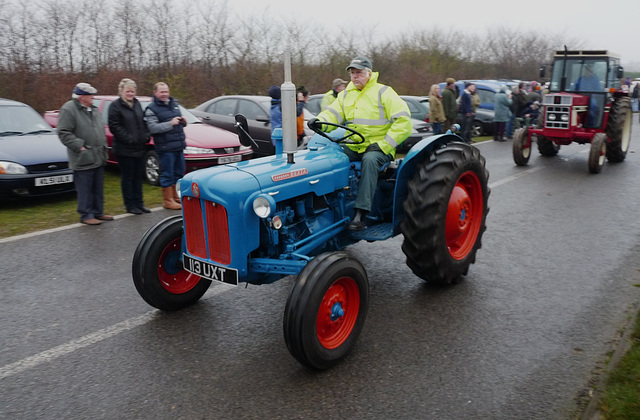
column 288, row 101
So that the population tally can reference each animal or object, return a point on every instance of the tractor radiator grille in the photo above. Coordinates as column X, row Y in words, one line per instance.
column 557, row 116
column 205, row 224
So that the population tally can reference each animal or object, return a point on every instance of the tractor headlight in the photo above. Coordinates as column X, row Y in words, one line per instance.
column 263, row 206
column 552, row 117
column 178, row 189
column 564, row 117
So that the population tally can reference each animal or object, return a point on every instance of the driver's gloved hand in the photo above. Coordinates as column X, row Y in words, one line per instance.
column 313, row 124
column 373, row 147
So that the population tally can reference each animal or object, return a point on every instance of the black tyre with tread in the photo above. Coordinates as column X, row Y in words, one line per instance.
column 430, row 210
column 521, row 152
column 312, row 337
column 158, row 274
column 597, row 152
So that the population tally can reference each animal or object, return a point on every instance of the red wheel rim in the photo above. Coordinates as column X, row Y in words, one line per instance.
column 172, row 276
column 464, row 215
column 338, row 313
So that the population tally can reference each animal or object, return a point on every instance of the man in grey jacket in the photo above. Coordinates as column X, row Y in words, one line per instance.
column 81, row 130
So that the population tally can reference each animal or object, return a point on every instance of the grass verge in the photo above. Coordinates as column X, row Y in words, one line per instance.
column 621, row 396
column 33, row 214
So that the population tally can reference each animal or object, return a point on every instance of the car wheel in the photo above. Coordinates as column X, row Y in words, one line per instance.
column 152, row 168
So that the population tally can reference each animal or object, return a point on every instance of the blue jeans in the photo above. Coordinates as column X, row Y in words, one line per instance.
column 436, row 127
column 172, row 167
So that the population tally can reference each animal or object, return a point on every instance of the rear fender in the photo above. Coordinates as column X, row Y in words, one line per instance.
column 407, row 169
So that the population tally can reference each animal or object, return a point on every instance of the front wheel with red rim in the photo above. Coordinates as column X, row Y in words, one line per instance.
column 445, row 213
column 326, row 310
column 157, row 269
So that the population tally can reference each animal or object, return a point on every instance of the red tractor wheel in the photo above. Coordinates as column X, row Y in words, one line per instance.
column 157, row 269
column 445, row 213
column 326, row 310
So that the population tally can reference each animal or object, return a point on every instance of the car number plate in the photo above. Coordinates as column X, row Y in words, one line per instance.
column 229, row 159
column 210, row 271
column 52, row 180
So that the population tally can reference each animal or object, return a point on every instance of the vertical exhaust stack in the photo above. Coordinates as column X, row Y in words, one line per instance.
column 288, row 101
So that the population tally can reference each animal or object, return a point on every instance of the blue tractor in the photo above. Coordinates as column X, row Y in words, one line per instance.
column 258, row 221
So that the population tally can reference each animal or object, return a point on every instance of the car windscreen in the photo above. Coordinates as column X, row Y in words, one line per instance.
column 581, row 75
column 17, row 120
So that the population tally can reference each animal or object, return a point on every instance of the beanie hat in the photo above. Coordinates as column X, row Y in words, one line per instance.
column 274, row 92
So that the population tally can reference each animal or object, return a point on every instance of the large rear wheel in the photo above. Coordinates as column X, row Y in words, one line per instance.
column 445, row 213
column 157, row 268
column 619, row 130
column 326, row 310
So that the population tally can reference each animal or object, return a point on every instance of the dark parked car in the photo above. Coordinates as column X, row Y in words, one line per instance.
column 206, row 145
column 33, row 161
column 418, row 106
column 221, row 112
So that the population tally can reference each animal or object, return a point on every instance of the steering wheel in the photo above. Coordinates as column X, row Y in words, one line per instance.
column 346, row 139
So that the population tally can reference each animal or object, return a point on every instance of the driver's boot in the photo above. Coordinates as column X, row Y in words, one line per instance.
column 358, row 222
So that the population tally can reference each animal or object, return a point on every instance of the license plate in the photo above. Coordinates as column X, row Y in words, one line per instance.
column 229, row 159
column 210, row 271
column 52, row 180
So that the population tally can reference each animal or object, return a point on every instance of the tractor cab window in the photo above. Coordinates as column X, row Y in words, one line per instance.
column 581, row 75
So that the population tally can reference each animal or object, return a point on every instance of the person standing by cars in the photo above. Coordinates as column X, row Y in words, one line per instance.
column 81, row 130
column 166, row 125
column 275, row 111
column 502, row 110
column 466, row 109
column 381, row 116
column 302, row 99
column 337, row 86
column 449, row 103
column 436, row 111
column 519, row 101
column 130, row 136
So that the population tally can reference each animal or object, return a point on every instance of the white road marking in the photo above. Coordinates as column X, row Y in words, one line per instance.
column 89, row 339
column 516, row 176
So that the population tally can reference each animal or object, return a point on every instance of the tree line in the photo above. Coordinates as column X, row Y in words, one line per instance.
column 203, row 50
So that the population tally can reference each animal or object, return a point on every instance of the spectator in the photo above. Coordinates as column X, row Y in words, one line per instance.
column 436, row 111
column 502, row 111
column 166, row 125
column 449, row 103
column 337, row 86
column 302, row 99
column 81, row 130
column 533, row 94
column 466, row 111
column 130, row 136
column 475, row 98
column 276, row 109
column 530, row 113
column 634, row 97
column 519, row 98
column 381, row 116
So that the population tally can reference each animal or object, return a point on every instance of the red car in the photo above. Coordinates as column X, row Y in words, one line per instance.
column 206, row 145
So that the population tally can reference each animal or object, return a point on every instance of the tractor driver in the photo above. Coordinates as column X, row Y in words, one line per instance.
column 380, row 115
column 589, row 81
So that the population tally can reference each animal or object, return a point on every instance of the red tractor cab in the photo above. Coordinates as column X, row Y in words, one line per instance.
column 585, row 104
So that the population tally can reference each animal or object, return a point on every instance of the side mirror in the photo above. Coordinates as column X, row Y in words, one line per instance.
column 543, row 72
column 620, row 74
column 242, row 128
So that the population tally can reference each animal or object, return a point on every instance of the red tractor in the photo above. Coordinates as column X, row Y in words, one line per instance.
column 585, row 104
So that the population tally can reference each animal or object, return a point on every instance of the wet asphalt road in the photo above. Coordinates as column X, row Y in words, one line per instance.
column 519, row 338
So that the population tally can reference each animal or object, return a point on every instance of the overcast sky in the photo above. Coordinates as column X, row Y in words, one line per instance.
column 603, row 24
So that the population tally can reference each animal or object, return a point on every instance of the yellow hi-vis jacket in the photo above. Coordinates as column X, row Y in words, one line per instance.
column 377, row 112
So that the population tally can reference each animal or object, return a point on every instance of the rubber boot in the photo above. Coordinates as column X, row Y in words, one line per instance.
column 167, row 199
column 176, row 197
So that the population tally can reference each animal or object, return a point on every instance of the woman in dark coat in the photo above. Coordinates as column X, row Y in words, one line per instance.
column 130, row 135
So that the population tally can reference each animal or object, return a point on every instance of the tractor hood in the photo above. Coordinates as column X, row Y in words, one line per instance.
column 320, row 171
